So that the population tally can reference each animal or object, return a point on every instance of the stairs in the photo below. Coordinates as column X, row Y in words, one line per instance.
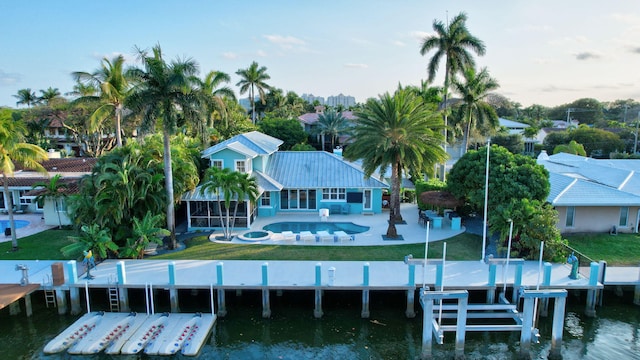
column 114, row 295
column 49, row 293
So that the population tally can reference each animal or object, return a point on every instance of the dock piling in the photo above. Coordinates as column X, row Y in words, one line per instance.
column 546, row 281
column 123, row 292
column 222, row 303
column 590, row 309
column 317, row 310
column 173, row 292
column 636, row 293
column 491, row 291
column 266, row 304
column 365, row 292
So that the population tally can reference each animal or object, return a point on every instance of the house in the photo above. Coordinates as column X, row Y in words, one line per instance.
column 593, row 195
column 23, row 195
column 288, row 181
column 309, row 122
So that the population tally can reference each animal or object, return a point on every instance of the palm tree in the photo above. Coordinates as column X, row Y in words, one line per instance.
column 252, row 79
column 333, row 124
column 13, row 149
column 93, row 238
column 162, row 92
column 54, row 190
column 26, row 97
column 48, row 95
column 474, row 109
column 228, row 185
column 145, row 231
column 213, row 94
column 397, row 131
column 113, row 85
column 453, row 42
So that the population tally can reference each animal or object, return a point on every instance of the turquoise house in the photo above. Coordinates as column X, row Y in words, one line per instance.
column 288, row 181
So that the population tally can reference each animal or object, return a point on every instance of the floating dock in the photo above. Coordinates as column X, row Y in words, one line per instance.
column 132, row 333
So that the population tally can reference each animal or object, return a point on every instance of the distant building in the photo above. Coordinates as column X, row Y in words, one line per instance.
column 310, row 98
column 344, row 100
column 246, row 103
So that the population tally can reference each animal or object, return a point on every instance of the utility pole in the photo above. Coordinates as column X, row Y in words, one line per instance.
column 635, row 145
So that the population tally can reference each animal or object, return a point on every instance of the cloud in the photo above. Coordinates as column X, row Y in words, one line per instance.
column 356, row 66
column 360, row 41
column 542, row 61
column 230, row 55
column 419, row 35
column 587, row 55
column 285, row 42
column 635, row 49
column 261, row 53
column 553, row 88
column 399, row 43
column 9, row 78
column 569, row 40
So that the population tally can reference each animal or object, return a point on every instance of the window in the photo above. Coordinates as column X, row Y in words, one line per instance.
column 62, row 205
column 266, row 199
column 217, row 164
column 571, row 213
column 334, row 194
column 624, row 216
column 240, row 166
column 25, row 200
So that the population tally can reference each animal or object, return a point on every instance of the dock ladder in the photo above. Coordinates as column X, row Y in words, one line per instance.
column 114, row 294
column 49, row 293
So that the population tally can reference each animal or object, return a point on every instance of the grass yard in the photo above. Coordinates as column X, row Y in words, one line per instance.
column 461, row 247
column 620, row 250
column 616, row 250
column 41, row 246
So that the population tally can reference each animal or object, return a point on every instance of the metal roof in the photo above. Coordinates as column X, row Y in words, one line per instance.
column 580, row 181
column 253, row 142
column 317, row 169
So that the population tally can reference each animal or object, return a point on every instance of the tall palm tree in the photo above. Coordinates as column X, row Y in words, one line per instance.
column 451, row 42
column 53, row 190
column 475, row 110
column 49, row 94
column 13, row 149
column 113, row 85
column 162, row 92
column 229, row 185
column 251, row 79
column 333, row 124
column 397, row 131
column 213, row 94
column 26, row 97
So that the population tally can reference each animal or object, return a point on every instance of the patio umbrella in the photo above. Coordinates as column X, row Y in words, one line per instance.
column 440, row 199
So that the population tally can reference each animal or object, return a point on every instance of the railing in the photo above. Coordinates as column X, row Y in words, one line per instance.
column 584, row 262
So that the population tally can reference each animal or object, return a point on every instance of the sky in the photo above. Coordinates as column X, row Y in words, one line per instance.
column 541, row 52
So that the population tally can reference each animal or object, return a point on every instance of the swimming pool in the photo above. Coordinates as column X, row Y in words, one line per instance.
column 19, row 224
column 314, row 227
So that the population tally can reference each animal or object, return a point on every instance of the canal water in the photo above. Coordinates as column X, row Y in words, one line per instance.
column 293, row 333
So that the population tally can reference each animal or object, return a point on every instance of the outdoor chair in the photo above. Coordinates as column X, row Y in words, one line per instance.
column 324, row 236
column 288, row 235
column 306, row 236
column 342, row 236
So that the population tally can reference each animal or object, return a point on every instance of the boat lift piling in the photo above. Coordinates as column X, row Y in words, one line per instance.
column 365, row 291
column 222, row 303
column 317, row 310
column 266, row 304
column 173, row 292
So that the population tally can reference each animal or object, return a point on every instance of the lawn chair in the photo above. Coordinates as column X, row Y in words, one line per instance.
column 342, row 237
column 288, row 236
column 324, row 236
column 306, row 236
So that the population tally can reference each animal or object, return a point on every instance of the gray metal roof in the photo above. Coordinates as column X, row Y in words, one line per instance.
column 580, row 181
column 317, row 169
column 253, row 142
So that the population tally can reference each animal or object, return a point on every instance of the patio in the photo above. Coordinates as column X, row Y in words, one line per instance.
column 412, row 232
column 36, row 225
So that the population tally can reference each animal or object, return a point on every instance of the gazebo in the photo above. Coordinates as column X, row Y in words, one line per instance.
column 440, row 199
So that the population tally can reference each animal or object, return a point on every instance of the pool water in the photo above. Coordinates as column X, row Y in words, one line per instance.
column 18, row 223
column 255, row 234
column 314, row 227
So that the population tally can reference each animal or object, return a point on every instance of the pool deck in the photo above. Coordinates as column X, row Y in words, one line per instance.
column 36, row 225
column 412, row 232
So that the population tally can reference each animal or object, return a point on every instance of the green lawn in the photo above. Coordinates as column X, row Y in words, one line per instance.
column 461, row 247
column 620, row 250
column 41, row 246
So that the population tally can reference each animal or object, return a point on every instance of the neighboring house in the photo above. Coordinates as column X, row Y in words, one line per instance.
column 288, row 181
column 23, row 195
column 593, row 195
column 309, row 122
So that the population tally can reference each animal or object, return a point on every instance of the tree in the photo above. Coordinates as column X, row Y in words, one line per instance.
column 288, row 130
column 475, row 111
column 213, row 95
column 251, row 79
column 597, row 142
column 512, row 142
column 229, row 186
column 332, row 124
column 451, row 42
column 12, row 150
column 53, row 190
column 93, row 238
column 113, row 85
column 26, row 97
column 397, row 131
column 163, row 91
column 572, row 148
column 48, row 95
column 145, row 231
